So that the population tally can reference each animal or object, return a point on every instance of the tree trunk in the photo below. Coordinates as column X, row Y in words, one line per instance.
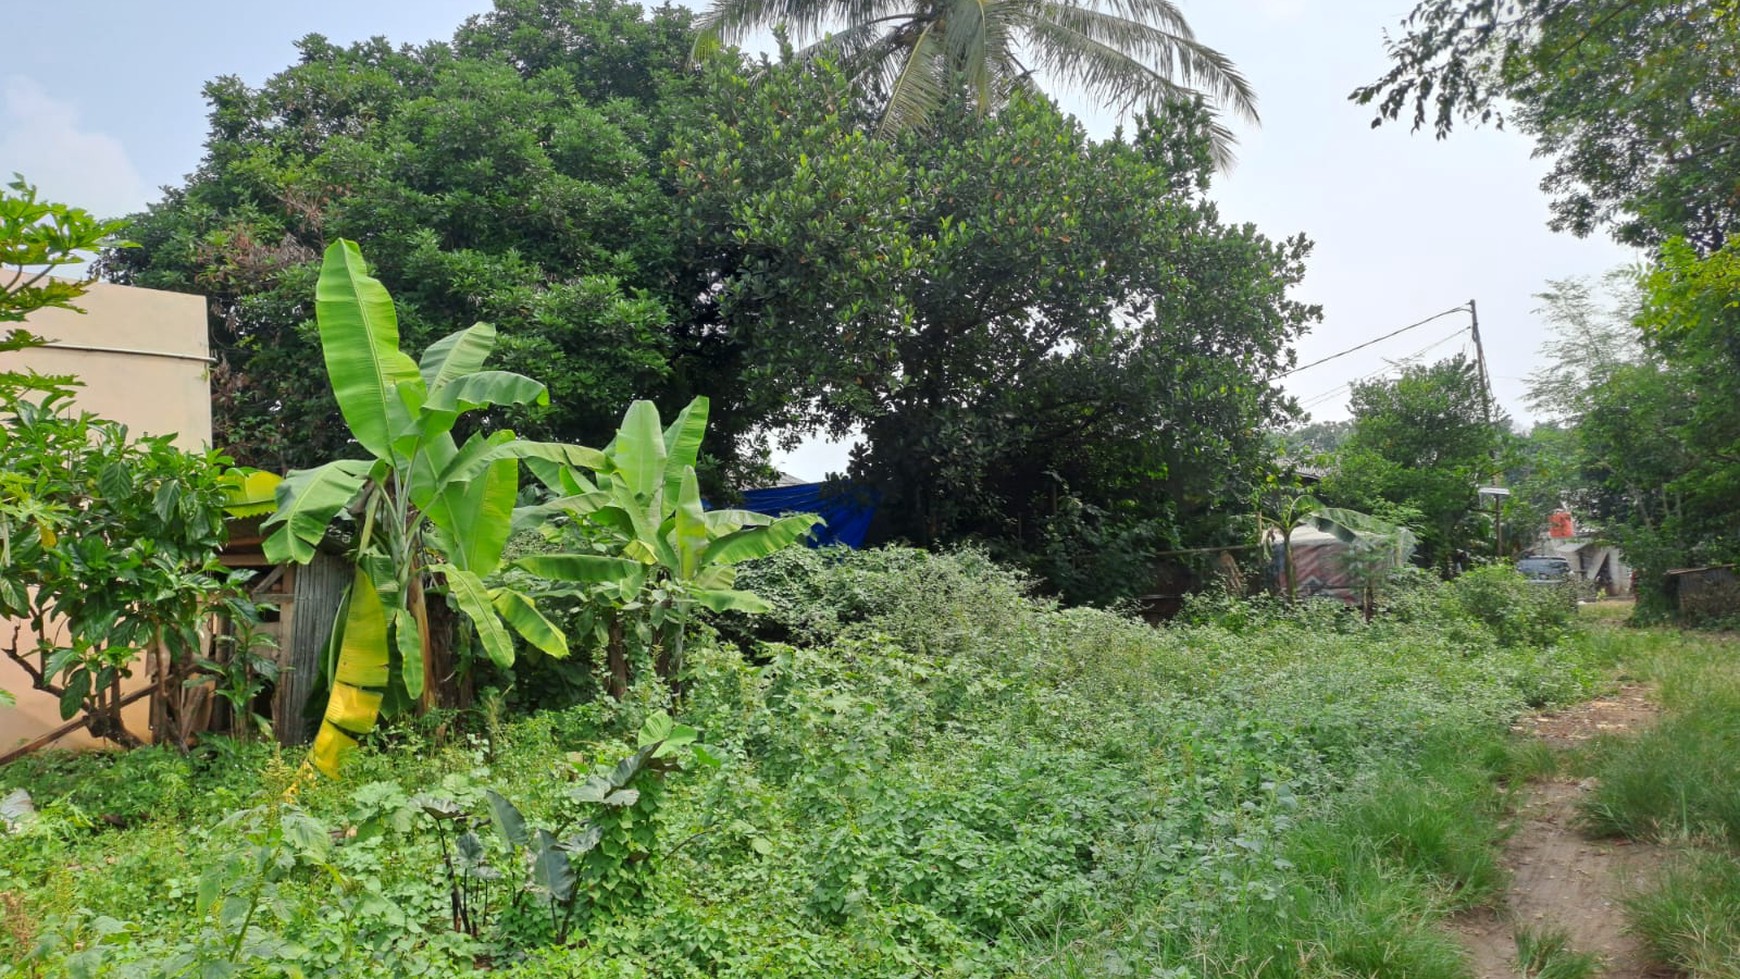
column 617, row 658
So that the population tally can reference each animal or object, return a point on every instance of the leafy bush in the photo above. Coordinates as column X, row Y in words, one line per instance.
column 939, row 774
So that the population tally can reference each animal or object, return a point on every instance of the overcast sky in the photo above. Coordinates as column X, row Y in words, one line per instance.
column 107, row 109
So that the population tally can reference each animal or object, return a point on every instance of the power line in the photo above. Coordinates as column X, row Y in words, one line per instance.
column 1436, row 316
column 1318, row 399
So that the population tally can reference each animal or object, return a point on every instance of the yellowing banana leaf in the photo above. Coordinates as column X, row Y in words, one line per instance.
column 354, row 704
column 250, row 492
column 362, row 654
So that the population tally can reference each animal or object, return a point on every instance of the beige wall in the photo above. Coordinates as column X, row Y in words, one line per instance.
column 142, row 356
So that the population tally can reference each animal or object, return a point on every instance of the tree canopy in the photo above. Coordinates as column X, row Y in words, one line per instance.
column 1017, row 321
column 1633, row 101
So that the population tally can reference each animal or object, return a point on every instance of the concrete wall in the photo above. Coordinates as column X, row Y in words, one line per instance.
column 142, row 356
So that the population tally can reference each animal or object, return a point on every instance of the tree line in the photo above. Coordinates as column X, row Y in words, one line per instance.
column 1045, row 341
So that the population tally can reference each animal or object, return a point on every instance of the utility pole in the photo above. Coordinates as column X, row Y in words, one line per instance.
column 1480, row 359
column 1496, row 491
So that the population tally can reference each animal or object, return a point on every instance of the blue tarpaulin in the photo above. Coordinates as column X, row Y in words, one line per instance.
column 847, row 509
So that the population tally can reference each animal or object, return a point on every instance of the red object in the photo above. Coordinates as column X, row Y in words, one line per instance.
column 1560, row 524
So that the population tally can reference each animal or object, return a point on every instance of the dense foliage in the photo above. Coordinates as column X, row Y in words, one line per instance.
column 1031, row 331
column 108, row 540
column 1419, row 446
column 935, row 774
column 1632, row 100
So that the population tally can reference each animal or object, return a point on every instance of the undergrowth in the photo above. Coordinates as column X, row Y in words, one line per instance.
column 1677, row 784
column 924, row 771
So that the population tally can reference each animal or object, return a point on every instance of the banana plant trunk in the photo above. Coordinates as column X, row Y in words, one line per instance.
column 670, row 658
column 617, row 658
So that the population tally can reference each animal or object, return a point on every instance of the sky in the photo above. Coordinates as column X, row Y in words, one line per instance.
column 108, row 110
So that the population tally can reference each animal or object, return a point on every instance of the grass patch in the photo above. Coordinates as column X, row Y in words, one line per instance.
column 1676, row 781
column 1546, row 953
column 1690, row 916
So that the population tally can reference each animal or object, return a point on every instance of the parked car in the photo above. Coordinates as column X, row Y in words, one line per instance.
column 1545, row 569
column 1551, row 572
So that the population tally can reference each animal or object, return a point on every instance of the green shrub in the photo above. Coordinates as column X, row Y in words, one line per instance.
column 935, row 773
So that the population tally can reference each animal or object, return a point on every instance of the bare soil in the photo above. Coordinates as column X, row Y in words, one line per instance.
column 1561, row 879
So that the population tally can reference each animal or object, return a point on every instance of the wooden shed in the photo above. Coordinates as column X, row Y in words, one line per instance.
column 1704, row 594
column 305, row 601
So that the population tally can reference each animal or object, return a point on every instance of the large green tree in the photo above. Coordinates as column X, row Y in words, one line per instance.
column 1010, row 313
column 1030, row 330
column 915, row 57
column 1633, row 101
column 507, row 176
column 1421, row 446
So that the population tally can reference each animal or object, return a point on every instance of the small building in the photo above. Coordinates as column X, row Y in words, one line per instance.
column 1707, row 594
column 142, row 358
column 1592, row 560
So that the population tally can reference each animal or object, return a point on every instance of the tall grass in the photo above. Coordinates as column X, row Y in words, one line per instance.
column 1546, row 953
column 1690, row 916
column 1679, row 783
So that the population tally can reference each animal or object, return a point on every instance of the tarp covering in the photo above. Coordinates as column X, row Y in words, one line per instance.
column 1327, row 543
column 847, row 509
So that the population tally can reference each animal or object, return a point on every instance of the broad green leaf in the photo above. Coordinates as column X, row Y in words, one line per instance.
column 722, row 522
column 484, row 388
column 359, row 337
column 716, row 576
column 552, row 874
column 308, row 499
column 410, row 645
column 683, row 444
column 592, row 568
column 473, row 599
column 476, row 516
column 456, row 354
column 72, row 699
column 639, row 459
column 629, row 767
column 726, row 600
column 594, row 789
column 531, row 517
column 657, row 727
column 508, row 821
column 758, row 542
column 464, row 468
column 521, row 614
column 689, row 526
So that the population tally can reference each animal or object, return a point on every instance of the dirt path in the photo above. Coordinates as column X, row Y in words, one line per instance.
column 1559, row 878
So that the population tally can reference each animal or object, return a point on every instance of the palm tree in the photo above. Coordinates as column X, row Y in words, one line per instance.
column 917, row 52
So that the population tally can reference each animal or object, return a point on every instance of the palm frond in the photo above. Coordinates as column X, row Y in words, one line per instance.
column 1098, row 67
column 1162, row 47
column 917, row 87
column 862, row 51
column 730, row 21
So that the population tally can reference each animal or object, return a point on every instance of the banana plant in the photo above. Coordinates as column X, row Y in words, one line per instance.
column 424, row 511
column 642, row 502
